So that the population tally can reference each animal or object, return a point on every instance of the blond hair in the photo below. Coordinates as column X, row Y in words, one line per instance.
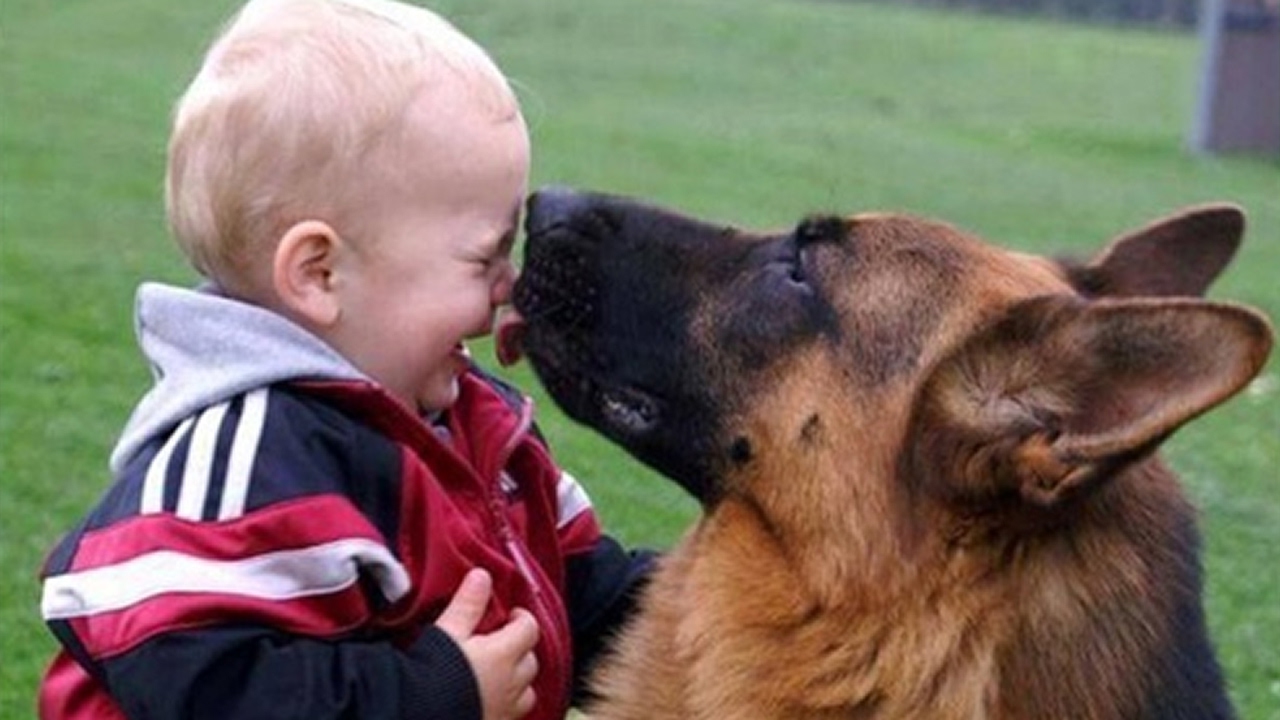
column 285, row 119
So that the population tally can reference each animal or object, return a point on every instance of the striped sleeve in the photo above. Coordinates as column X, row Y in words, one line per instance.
column 245, row 513
column 571, row 499
column 234, row 569
column 157, row 573
column 200, row 437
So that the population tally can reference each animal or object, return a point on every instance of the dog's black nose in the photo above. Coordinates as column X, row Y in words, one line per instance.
column 551, row 206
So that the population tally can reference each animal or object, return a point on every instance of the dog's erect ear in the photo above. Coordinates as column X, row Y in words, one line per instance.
column 1179, row 255
column 1061, row 393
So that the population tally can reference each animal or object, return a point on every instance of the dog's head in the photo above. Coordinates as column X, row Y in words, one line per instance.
column 877, row 345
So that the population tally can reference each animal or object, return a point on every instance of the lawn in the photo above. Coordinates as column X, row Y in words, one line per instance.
column 1043, row 136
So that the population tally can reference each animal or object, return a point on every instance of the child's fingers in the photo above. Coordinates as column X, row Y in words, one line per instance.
column 520, row 634
column 526, row 669
column 467, row 607
column 524, row 704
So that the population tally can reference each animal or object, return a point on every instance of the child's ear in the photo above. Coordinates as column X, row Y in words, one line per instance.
column 303, row 272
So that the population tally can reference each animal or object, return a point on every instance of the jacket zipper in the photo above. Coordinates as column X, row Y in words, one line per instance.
column 545, row 615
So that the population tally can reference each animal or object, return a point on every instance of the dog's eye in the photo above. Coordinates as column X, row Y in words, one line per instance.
column 790, row 268
column 787, row 264
column 811, row 231
column 797, row 273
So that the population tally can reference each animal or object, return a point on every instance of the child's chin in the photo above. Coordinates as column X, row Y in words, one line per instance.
column 441, row 398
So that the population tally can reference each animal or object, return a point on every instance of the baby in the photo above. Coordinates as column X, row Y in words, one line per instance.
column 322, row 508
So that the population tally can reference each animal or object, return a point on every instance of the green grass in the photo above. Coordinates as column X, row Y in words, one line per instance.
column 1047, row 137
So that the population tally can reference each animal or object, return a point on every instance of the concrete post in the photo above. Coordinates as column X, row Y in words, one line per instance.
column 1238, row 110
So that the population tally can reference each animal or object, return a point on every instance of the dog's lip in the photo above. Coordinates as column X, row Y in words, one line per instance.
column 509, row 337
column 628, row 409
column 619, row 410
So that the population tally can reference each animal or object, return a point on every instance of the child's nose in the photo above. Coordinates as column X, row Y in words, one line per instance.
column 505, row 283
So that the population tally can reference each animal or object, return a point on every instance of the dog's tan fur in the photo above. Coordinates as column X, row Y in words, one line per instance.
column 907, row 539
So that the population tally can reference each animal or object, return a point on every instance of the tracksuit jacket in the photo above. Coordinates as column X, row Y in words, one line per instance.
column 281, row 535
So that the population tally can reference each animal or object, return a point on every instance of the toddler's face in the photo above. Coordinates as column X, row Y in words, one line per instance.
column 440, row 265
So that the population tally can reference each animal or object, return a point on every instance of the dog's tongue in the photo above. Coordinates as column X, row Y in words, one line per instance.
column 509, row 337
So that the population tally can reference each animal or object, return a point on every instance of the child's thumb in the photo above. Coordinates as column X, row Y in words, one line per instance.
column 466, row 608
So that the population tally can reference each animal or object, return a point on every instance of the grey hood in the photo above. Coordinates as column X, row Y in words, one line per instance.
column 205, row 348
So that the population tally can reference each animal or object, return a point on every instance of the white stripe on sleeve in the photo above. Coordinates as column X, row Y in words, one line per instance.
column 571, row 499
column 284, row 575
column 195, row 478
column 157, row 471
column 244, row 449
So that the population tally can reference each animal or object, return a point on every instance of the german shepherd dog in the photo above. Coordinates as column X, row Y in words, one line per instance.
column 927, row 465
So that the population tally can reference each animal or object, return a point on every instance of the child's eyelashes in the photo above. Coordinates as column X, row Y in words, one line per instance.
column 492, row 255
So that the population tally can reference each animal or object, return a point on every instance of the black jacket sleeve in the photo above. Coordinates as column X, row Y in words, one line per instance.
column 255, row 673
column 602, row 589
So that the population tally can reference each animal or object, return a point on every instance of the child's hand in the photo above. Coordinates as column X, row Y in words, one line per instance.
column 503, row 660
